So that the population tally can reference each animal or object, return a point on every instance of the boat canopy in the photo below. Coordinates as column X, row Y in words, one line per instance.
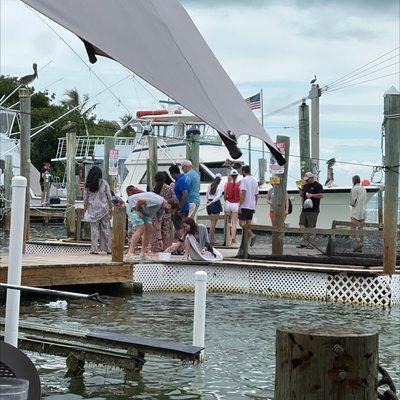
column 158, row 41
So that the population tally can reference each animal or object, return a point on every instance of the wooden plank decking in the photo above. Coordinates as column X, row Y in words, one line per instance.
column 57, row 269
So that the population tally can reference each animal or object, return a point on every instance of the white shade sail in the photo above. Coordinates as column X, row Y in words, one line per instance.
column 157, row 40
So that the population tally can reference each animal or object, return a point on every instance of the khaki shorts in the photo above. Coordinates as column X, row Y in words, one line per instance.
column 308, row 219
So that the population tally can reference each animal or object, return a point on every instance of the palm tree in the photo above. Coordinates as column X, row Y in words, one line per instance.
column 128, row 130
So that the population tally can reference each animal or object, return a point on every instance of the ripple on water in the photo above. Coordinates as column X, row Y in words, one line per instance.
column 240, row 339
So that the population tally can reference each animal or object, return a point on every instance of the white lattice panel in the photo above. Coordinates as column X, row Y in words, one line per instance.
column 359, row 289
column 295, row 284
column 395, row 289
column 47, row 249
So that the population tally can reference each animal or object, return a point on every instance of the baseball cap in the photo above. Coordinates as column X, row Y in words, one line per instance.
column 234, row 172
column 308, row 175
column 218, row 175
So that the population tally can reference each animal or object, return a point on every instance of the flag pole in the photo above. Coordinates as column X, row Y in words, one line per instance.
column 262, row 142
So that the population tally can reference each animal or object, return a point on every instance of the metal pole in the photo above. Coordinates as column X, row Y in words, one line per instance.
column 193, row 148
column 19, row 185
column 262, row 120
column 380, row 206
column 152, row 165
column 25, row 152
column 304, row 138
column 315, row 94
column 71, row 184
column 199, row 320
column 249, row 149
column 280, row 194
column 7, row 189
column 109, row 144
column 392, row 161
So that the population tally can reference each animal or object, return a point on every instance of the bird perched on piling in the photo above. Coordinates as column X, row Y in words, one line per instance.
column 68, row 126
column 314, row 80
column 27, row 79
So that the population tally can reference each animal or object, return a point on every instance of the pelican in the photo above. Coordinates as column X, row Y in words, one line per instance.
column 314, row 80
column 27, row 79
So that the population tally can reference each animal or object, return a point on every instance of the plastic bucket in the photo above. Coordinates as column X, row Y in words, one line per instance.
column 13, row 389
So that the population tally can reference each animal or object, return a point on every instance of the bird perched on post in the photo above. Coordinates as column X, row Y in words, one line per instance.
column 314, row 80
column 27, row 79
column 68, row 126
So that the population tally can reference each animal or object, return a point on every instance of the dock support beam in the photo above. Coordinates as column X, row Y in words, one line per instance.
column 199, row 315
column 25, row 151
column 193, row 148
column 304, row 138
column 326, row 363
column 392, row 161
column 7, row 190
column 152, row 162
column 280, row 196
column 71, row 185
column 109, row 144
column 315, row 94
column 118, row 235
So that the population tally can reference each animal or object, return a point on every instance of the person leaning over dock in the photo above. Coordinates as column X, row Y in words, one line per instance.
column 193, row 182
column 248, row 201
column 97, row 205
column 311, row 193
column 167, row 228
column 130, row 190
column 232, row 198
column 358, row 204
column 214, row 207
column 141, row 208
column 181, row 190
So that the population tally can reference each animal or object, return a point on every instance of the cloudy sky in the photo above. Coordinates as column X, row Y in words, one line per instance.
column 276, row 45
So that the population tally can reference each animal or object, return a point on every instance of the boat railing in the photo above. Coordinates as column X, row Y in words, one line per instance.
column 86, row 146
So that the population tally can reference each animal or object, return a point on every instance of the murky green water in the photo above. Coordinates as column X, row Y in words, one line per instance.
column 240, row 339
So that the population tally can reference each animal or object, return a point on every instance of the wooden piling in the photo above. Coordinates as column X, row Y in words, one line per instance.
column 193, row 148
column 71, row 185
column 304, row 138
column 392, row 161
column 7, row 190
column 25, row 152
column 326, row 363
column 280, row 195
column 118, row 235
column 109, row 144
column 152, row 163
column 315, row 94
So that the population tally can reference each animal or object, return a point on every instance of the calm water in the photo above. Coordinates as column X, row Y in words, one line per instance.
column 240, row 339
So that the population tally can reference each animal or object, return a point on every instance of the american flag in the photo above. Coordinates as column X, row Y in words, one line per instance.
column 254, row 102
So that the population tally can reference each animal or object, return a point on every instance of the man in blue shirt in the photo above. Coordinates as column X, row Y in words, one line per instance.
column 181, row 190
column 193, row 182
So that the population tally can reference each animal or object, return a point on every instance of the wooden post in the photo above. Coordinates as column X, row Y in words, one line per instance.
column 8, row 173
column 118, row 235
column 227, row 231
column 315, row 93
column 71, row 185
column 326, row 363
column 25, row 152
column 392, row 161
column 280, row 194
column 152, row 162
column 193, row 148
column 304, row 138
column 244, row 246
column 109, row 144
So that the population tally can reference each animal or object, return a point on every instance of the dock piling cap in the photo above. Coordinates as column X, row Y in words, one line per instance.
column 18, row 181
column 200, row 276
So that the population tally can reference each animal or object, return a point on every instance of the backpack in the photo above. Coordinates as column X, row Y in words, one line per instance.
column 290, row 207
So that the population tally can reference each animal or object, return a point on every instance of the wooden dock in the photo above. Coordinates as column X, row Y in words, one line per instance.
column 56, row 269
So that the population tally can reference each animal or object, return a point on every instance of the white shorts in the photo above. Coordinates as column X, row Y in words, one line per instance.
column 231, row 207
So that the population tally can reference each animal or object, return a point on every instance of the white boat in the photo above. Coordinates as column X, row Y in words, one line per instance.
column 170, row 130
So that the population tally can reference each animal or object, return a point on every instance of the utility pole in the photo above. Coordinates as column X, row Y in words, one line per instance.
column 7, row 190
column 71, row 185
column 392, row 160
column 109, row 144
column 25, row 151
column 314, row 95
column 193, row 148
column 304, row 138
column 152, row 161
column 280, row 194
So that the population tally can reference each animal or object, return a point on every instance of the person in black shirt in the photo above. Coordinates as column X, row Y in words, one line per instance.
column 311, row 194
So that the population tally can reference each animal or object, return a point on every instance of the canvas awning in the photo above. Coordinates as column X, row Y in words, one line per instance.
column 158, row 41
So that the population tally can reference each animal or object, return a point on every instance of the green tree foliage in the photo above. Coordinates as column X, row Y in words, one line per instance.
column 45, row 109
